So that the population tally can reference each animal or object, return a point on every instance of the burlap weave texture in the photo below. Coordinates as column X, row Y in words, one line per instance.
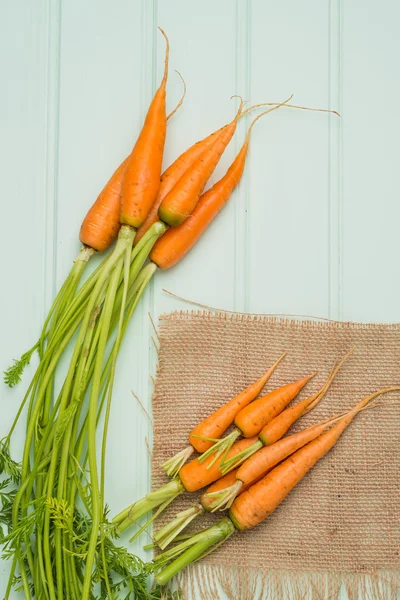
column 345, row 514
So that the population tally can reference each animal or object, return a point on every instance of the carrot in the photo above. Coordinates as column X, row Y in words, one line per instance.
column 259, row 501
column 256, row 415
column 254, row 505
column 210, row 429
column 142, row 177
column 204, row 435
column 276, row 429
column 177, row 241
column 172, row 175
column 101, row 224
column 179, row 203
column 253, row 418
column 192, row 477
column 195, row 475
column 260, row 462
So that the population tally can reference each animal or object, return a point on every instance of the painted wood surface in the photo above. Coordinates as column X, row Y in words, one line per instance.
column 313, row 228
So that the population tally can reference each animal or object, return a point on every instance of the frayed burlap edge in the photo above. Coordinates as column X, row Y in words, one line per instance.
column 207, row 582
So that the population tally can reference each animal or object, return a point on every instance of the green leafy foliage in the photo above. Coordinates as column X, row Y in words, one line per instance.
column 13, row 374
column 7, row 465
column 20, row 537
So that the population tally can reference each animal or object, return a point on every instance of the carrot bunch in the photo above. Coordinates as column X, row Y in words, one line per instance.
column 210, row 467
column 289, row 462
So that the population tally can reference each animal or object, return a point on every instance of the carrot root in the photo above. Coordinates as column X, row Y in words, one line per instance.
column 220, row 448
column 224, row 498
column 173, row 465
column 182, row 97
column 167, row 534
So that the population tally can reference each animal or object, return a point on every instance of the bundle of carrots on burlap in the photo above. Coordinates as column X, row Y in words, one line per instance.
column 251, row 476
column 58, row 534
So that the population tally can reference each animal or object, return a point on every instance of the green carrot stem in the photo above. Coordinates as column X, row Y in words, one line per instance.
column 65, row 299
column 153, row 499
column 114, row 355
column 53, row 308
column 15, row 513
column 206, row 541
column 118, row 251
column 134, row 295
column 238, row 459
column 65, row 294
column 220, row 447
column 77, row 394
column 125, row 238
column 164, row 536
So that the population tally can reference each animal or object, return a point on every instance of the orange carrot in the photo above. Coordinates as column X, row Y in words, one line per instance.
column 280, row 424
column 142, row 177
column 179, row 203
column 276, row 429
column 177, row 241
column 257, row 503
column 196, row 475
column 262, row 461
column 203, row 436
column 254, row 417
column 171, row 176
column 251, row 419
column 101, row 224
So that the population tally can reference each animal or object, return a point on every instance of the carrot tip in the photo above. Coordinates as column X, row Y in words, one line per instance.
column 182, row 97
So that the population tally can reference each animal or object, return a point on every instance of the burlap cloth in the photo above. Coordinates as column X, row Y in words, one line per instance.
column 344, row 517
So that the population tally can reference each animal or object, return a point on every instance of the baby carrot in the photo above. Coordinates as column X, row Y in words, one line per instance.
column 218, row 422
column 251, row 419
column 206, row 433
column 254, row 417
column 254, row 505
column 142, row 176
column 259, row 501
column 183, row 197
column 280, row 424
column 101, row 224
column 276, row 429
